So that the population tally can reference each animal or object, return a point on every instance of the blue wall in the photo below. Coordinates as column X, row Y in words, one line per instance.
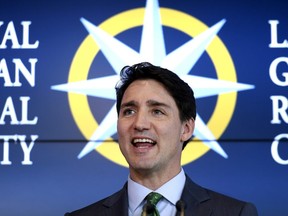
column 49, row 179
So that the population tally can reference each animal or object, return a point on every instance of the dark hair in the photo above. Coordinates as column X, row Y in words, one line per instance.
column 176, row 87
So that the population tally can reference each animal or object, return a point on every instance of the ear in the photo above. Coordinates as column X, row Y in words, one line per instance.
column 188, row 129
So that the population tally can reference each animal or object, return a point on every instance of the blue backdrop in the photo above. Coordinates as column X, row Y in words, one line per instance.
column 40, row 137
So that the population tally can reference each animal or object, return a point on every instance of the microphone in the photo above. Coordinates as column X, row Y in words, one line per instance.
column 148, row 208
column 180, row 205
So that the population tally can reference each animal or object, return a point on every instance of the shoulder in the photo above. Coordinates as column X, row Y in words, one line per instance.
column 211, row 201
column 223, row 203
column 110, row 204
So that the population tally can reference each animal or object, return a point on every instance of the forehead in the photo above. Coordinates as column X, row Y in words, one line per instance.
column 147, row 88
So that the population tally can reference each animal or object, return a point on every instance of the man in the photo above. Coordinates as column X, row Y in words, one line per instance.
column 156, row 119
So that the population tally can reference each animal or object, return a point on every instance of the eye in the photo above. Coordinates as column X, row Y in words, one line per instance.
column 128, row 112
column 158, row 112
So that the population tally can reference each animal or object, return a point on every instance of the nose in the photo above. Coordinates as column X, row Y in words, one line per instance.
column 141, row 122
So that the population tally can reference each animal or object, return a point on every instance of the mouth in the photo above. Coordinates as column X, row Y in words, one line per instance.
column 143, row 142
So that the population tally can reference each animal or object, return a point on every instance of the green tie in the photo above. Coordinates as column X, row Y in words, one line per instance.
column 153, row 198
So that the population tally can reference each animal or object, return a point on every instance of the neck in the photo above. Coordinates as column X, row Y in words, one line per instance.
column 153, row 180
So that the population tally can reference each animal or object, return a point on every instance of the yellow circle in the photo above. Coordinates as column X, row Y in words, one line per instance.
column 180, row 21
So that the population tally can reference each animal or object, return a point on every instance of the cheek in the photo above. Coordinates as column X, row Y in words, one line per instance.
column 170, row 133
column 119, row 132
column 122, row 130
column 120, row 126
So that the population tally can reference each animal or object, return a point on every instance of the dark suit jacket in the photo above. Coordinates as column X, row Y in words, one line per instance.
column 199, row 201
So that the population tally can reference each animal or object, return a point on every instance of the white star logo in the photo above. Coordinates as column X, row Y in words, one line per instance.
column 152, row 49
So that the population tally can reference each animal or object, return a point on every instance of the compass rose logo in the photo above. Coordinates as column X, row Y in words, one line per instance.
column 153, row 19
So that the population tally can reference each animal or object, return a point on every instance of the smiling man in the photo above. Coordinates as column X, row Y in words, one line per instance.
column 156, row 119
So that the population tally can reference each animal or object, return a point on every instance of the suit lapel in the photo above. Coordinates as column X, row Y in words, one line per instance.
column 196, row 199
column 117, row 205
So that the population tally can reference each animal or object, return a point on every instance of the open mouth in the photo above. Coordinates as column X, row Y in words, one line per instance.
column 143, row 142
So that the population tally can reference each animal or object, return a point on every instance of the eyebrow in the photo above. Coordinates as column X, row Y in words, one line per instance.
column 157, row 103
column 128, row 104
column 151, row 103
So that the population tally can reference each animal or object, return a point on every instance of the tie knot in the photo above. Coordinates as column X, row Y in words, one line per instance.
column 153, row 198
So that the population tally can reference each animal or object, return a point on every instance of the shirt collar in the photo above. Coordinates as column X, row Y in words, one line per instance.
column 172, row 190
column 137, row 192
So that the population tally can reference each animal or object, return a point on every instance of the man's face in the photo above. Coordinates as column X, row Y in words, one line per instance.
column 149, row 128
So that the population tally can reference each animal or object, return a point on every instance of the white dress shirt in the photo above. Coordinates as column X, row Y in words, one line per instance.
column 171, row 192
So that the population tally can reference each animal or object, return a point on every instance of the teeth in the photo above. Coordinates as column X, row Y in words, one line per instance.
column 142, row 141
